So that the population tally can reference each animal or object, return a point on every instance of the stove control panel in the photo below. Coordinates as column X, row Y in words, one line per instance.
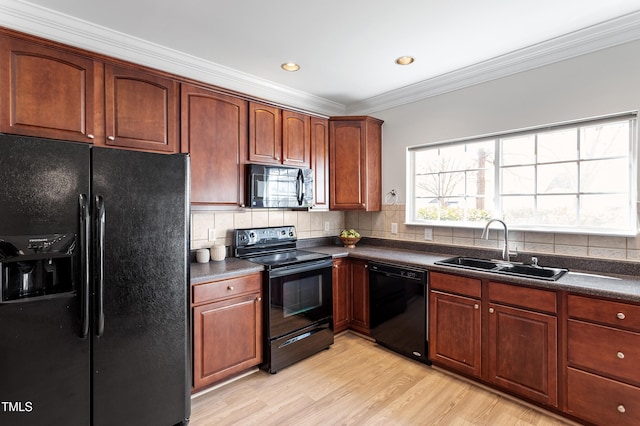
column 265, row 236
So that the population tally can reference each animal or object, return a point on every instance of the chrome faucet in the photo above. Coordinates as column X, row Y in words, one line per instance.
column 505, row 248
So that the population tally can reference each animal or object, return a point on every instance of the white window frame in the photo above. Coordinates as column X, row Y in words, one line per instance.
column 631, row 230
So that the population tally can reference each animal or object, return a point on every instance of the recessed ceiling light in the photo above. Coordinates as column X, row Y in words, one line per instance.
column 290, row 66
column 405, row 60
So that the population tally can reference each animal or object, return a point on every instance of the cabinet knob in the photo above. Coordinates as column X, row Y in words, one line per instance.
column 90, row 136
column 621, row 408
column 476, row 306
column 621, row 316
column 620, row 355
column 241, row 205
column 491, row 310
column 335, row 266
column 230, row 288
column 111, row 138
column 259, row 299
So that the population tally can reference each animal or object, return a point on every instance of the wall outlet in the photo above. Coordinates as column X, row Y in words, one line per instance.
column 326, row 226
column 428, row 234
column 212, row 234
column 394, row 228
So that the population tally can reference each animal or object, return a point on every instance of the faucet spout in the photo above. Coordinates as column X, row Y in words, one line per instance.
column 505, row 248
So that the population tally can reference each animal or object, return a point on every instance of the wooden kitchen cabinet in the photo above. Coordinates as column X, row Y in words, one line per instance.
column 227, row 328
column 141, row 110
column 360, row 296
column 48, row 92
column 320, row 161
column 341, row 294
column 279, row 137
column 214, row 133
column 603, row 341
column 351, row 295
column 355, row 163
column 455, row 323
column 515, row 349
column 523, row 341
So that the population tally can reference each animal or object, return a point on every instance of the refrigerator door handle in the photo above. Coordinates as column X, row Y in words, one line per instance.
column 85, row 250
column 100, row 224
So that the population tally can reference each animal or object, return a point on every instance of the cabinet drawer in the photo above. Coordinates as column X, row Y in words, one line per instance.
column 455, row 284
column 226, row 288
column 602, row 401
column 615, row 353
column 618, row 314
column 532, row 298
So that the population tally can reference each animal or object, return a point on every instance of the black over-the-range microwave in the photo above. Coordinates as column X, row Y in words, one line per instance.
column 279, row 187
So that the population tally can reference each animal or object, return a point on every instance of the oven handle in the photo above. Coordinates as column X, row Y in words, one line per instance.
column 297, row 269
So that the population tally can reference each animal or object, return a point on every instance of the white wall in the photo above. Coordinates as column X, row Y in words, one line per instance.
column 596, row 84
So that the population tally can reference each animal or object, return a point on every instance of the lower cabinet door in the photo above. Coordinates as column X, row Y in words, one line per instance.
column 455, row 332
column 523, row 353
column 227, row 338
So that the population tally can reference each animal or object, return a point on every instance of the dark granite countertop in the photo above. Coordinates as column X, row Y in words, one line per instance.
column 218, row 270
column 578, row 280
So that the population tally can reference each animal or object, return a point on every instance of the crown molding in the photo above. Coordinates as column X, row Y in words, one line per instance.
column 601, row 36
column 52, row 25
column 46, row 23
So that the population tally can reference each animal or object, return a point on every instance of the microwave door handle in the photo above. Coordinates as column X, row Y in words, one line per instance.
column 299, row 187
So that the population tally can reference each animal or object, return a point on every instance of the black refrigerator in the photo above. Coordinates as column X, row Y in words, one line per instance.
column 94, row 249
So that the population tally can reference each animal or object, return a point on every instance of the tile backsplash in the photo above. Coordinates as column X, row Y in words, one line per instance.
column 309, row 224
column 378, row 225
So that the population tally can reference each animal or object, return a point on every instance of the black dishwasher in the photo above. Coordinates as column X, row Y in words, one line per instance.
column 398, row 309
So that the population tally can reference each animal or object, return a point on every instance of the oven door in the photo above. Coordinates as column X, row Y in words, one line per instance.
column 299, row 296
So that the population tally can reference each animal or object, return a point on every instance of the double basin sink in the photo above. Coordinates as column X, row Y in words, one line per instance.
column 505, row 268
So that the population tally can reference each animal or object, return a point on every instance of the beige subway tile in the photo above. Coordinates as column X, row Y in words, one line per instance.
column 487, row 243
column 224, row 225
column 633, row 243
column 539, row 237
column 304, row 222
column 303, row 234
column 538, row 247
column 290, row 218
column 317, row 224
column 443, row 239
column 633, row 254
column 570, row 250
column 607, row 253
column 572, row 239
column 351, row 220
column 607, row 242
column 259, row 218
column 276, row 217
column 200, row 224
column 364, row 221
column 442, row 231
column 463, row 233
column 242, row 220
column 463, row 241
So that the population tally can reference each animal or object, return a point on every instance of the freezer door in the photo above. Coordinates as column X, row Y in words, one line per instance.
column 44, row 360
column 140, row 330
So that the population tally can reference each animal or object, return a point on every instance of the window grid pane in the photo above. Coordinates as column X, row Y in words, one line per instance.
column 579, row 177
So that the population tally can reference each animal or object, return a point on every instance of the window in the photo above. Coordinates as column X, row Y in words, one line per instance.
column 578, row 177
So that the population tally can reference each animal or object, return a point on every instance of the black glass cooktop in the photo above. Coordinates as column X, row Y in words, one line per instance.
column 288, row 258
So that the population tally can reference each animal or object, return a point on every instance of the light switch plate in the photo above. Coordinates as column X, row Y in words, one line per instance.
column 428, row 234
column 394, row 228
column 212, row 234
column 326, row 226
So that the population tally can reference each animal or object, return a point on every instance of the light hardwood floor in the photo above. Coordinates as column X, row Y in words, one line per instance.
column 356, row 382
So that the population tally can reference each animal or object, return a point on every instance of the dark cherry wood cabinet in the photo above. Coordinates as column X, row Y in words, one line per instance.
column 141, row 110
column 278, row 136
column 48, row 92
column 227, row 328
column 360, row 296
column 601, row 366
column 523, row 341
column 455, row 327
column 214, row 133
column 296, row 139
column 265, row 134
column 351, row 295
column 320, row 161
column 341, row 294
column 355, row 152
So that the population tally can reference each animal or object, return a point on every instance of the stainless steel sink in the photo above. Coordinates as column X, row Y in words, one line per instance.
column 505, row 268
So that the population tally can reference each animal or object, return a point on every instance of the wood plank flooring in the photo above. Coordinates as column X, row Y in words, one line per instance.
column 356, row 382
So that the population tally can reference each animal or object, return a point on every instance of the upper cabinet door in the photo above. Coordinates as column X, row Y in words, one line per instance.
column 265, row 134
column 141, row 110
column 296, row 140
column 45, row 92
column 214, row 133
column 320, row 161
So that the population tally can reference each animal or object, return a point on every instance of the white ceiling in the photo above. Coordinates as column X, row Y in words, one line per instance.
column 346, row 48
